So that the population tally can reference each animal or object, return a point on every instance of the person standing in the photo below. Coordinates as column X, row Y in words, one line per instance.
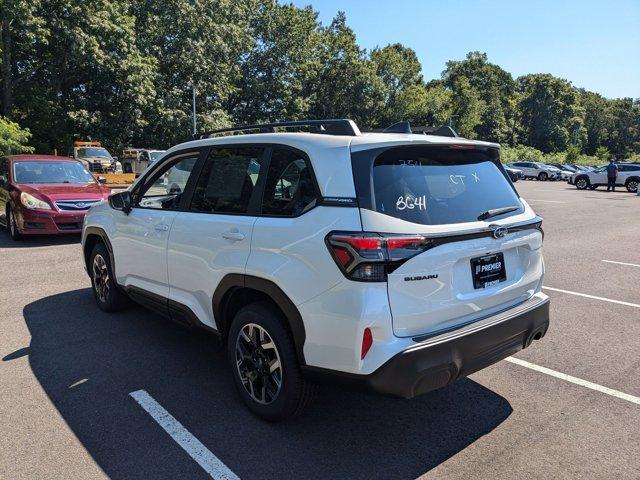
column 612, row 174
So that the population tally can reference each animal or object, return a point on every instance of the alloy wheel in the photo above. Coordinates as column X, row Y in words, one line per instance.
column 258, row 363
column 632, row 186
column 100, row 278
column 581, row 183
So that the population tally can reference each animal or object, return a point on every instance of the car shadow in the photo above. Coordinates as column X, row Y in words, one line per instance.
column 36, row 240
column 88, row 362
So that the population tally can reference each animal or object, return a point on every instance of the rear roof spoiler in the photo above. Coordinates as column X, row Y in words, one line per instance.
column 405, row 127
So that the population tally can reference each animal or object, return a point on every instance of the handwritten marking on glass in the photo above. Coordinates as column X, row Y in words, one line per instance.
column 410, row 203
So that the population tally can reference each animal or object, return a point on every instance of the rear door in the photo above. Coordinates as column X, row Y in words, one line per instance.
column 463, row 271
column 212, row 237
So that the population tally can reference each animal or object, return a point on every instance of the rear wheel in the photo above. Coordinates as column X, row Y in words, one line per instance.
column 108, row 297
column 543, row 176
column 632, row 185
column 265, row 368
column 12, row 226
column 582, row 183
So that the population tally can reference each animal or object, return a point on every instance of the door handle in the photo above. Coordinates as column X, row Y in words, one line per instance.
column 233, row 235
column 161, row 227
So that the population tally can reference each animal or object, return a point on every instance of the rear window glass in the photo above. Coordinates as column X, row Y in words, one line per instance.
column 435, row 185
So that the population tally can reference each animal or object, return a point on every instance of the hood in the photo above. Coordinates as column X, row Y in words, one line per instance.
column 66, row 191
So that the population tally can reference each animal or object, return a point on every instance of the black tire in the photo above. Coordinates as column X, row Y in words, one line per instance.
column 12, row 227
column 582, row 183
column 248, row 360
column 543, row 176
column 107, row 294
column 632, row 185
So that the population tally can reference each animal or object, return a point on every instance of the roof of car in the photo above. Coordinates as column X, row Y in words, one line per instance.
column 39, row 157
column 317, row 140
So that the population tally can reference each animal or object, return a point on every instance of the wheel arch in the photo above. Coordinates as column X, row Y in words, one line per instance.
column 634, row 177
column 92, row 236
column 237, row 290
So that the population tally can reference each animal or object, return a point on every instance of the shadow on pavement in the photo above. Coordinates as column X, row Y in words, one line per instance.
column 88, row 362
column 36, row 240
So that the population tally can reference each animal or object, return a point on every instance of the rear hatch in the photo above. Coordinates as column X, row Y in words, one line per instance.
column 477, row 248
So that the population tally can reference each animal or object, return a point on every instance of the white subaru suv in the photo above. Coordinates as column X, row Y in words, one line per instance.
column 397, row 261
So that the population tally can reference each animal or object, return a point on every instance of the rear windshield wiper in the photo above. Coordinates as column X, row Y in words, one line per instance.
column 494, row 212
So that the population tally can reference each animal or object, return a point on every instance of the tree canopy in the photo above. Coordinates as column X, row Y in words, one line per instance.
column 124, row 72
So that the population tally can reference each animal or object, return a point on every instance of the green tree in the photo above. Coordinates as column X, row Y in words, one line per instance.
column 346, row 84
column 551, row 114
column 399, row 69
column 495, row 88
column 275, row 76
column 603, row 154
column 13, row 139
column 466, row 108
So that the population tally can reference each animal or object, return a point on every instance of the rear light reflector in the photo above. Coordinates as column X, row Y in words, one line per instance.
column 369, row 257
column 367, row 341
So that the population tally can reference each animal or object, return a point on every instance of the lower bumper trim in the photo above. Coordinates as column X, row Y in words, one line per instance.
column 440, row 361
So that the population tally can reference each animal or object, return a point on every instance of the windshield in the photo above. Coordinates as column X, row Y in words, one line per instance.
column 51, row 172
column 441, row 185
column 86, row 152
column 156, row 155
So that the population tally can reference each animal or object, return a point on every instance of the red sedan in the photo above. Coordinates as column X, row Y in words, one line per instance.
column 43, row 194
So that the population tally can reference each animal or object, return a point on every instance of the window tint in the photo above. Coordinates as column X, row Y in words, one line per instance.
column 435, row 186
column 164, row 190
column 289, row 189
column 228, row 180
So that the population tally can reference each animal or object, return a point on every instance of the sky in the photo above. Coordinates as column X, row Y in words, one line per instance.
column 593, row 44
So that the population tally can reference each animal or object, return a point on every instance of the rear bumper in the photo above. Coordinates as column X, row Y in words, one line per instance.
column 440, row 360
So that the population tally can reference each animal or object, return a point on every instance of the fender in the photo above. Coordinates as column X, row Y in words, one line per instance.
column 105, row 238
column 234, row 281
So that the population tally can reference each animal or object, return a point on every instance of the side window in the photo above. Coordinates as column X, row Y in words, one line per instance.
column 164, row 189
column 289, row 188
column 623, row 168
column 228, row 180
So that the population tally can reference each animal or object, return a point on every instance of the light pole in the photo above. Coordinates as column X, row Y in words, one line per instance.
column 193, row 97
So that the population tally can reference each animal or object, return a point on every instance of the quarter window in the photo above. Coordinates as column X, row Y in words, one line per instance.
column 289, row 189
column 228, row 180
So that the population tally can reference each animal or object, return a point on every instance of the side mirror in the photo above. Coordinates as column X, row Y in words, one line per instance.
column 121, row 201
column 102, row 179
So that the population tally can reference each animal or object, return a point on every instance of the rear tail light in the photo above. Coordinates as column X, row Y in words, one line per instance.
column 369, row 257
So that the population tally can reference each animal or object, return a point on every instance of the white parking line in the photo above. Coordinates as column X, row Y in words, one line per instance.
column 190, row 444
column 619, row 302
column 622, row 263
column 575, row 380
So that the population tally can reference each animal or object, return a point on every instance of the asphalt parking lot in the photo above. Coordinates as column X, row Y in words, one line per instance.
column 67, row 372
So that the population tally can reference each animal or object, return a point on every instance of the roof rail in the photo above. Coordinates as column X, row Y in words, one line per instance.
column 328, row 127
column 405, row 127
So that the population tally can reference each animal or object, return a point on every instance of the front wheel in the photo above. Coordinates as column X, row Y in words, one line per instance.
column 108, row 297
column 632, row 185
column 543, row 176
column 265, row 368
column 582, row 183
column 12, row 226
